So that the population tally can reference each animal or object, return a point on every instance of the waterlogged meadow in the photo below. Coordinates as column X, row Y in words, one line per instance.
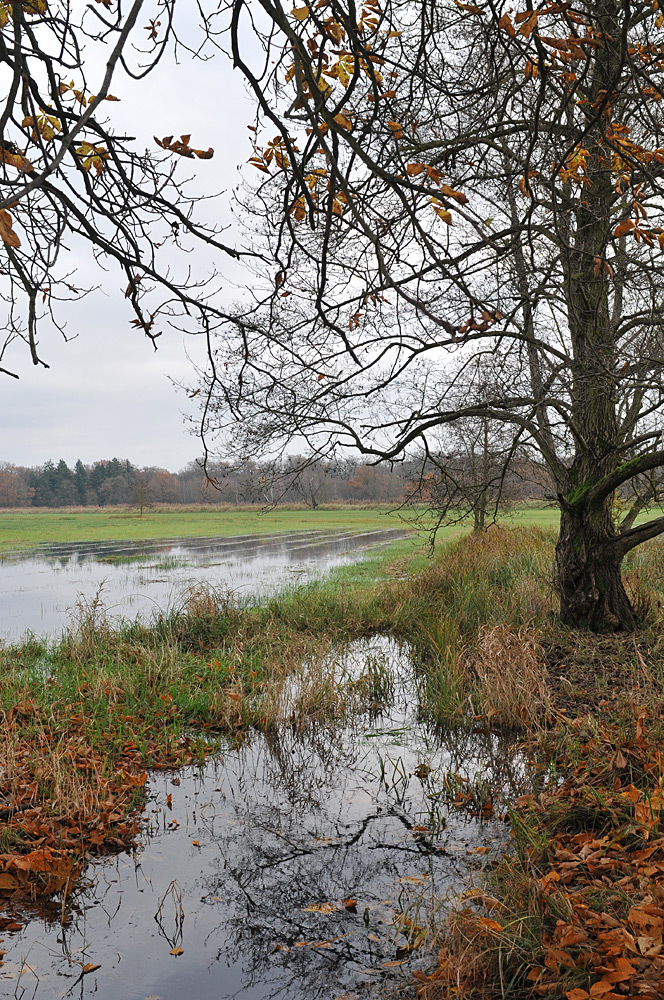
column 41, row 589
column 309, row 796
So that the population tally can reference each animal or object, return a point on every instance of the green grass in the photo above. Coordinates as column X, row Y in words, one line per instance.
column 26, row 528
column 35, row 526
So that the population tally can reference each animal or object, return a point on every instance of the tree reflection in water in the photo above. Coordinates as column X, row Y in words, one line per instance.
column 287, row 822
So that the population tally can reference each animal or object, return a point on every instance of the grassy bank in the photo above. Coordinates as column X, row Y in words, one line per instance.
column 84, row 717
column 29, row 527
column 575, row 908
column 577, row 902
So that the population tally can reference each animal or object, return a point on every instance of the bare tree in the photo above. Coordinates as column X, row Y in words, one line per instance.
column 473, row 475
column 68, row 181
column 450, row 179
column 478, row 466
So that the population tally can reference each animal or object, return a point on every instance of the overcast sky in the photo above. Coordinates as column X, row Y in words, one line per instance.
column 107, row 392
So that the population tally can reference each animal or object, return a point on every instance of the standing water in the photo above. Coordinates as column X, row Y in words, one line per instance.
column 39, row 588
column 287, row 869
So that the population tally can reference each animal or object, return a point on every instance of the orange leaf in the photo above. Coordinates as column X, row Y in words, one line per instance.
column 623, row 227
column 344, row 121
column 470, row 7
column 7, row 234
column 506, row 24
column 576, row 995
column 529, row 26
column 89, row 967
column 176, row 951
column 622, row 971
column 300, row 13
column 492, row 925
column 600, row 989
column 457, row 196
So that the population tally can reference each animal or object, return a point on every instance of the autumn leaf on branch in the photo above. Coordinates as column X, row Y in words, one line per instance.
column 13, row 157
column 92, row 156
column 45, row 125
column 6, row 232
column 471, row 8
column 151, row 29
column 182, row 148
column 623, row 228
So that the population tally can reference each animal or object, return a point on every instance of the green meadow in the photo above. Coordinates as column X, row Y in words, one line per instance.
column 34, row 526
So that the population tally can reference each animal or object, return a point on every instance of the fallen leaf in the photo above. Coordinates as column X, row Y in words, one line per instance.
column 176, row 951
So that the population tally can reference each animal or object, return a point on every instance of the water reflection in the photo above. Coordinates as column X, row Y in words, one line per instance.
column 247, row 862
column 39, row 588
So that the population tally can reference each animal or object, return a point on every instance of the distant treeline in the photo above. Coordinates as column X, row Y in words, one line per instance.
column 118, row 482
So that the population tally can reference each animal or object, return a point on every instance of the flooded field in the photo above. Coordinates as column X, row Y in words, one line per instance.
column 286, row 869
column 39, row 588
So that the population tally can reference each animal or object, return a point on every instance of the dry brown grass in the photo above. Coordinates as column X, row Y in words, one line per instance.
column 505, row 673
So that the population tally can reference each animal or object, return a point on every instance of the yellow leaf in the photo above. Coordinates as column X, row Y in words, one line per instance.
column 16, row 160
column 301, row 13
column 176, row 951
column 89, row 967
column 394, row 34
column 443, row 214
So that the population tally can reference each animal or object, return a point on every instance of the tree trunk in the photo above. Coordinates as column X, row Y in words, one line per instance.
column 479, row 514
column 592, row 594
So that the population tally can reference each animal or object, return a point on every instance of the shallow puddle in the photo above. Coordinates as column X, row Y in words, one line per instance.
column 247, row 865
column 39, row 589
